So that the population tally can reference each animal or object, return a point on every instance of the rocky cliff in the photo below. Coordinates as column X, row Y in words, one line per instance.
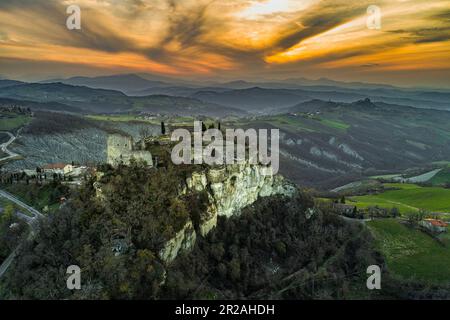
column 225, row 191
column 229, row 189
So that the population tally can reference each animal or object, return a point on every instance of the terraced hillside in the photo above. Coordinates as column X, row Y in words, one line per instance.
column 55, row 137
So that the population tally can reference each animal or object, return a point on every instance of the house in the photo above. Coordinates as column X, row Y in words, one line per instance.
column 434, row 225
column 57, row 168
column 68, row 169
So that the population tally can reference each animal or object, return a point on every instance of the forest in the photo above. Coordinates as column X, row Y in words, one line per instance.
column 277, row 248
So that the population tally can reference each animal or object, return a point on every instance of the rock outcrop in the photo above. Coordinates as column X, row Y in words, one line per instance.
column 229, row 188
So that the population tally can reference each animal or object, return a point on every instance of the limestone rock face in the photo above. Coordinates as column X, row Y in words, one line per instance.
column 184, row 240
column 229, row 189
column 233, row 187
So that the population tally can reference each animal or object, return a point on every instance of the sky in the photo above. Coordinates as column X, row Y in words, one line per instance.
column 229, row 39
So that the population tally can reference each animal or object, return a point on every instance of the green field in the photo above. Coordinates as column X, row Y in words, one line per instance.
column 9, row 124
column 410, row 253
column 5, row 202
column 441, row 178
column 180, row 121
column 35, row 196
column 408, row 197
column 292, row 123
column 335, row 124
column 121, row 118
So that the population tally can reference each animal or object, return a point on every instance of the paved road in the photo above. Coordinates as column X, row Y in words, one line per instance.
column 5, row 265
column 362, row 221
column 31, row 220
column 4, row 148
column 10, row 197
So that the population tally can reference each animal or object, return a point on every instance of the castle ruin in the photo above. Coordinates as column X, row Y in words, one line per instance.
column 121, row 150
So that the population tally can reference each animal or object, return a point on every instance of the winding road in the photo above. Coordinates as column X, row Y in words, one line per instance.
column 4, row 148
column 30, row 220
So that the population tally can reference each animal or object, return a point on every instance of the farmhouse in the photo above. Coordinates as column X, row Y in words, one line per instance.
column 434, row 225
column 57, row 168
column 63, row 169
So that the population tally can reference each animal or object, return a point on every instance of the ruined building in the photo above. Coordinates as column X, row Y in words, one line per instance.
column 121, row 149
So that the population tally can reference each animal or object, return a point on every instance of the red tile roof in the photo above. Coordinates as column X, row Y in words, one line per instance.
column 437, row 223
column 54, row 166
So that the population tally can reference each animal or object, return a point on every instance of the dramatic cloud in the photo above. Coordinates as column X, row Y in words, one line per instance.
column 228, row 38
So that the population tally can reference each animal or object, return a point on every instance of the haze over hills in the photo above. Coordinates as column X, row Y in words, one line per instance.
column 123, row 82
column 110, row 101
column 242, row 94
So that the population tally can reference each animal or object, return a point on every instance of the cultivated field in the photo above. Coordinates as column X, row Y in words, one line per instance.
column 410, row 253
column 407, row 198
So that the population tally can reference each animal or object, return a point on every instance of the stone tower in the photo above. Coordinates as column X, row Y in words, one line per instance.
column 120, row 149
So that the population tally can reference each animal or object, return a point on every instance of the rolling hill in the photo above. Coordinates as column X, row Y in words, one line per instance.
column 109, row 101
column 125, row 83
column 327, row 144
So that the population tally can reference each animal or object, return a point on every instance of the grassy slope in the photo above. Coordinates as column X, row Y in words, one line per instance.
column 442, row 177
column 8, row 124
column 335, row 124
column 409, row 197
column 120, row 118
column 35, row 198
column 411, row 253
column 300, row 123
column 181, row 121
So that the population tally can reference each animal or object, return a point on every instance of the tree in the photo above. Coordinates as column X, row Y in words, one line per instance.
column 395, row 212
column 163, row 128
column 343, row 200
column 203, row 127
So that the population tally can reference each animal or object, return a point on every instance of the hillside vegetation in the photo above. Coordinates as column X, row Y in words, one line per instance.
column 274, row 249
column 325, row 144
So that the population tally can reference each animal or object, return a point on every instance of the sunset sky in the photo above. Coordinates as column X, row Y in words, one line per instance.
column 229, row 39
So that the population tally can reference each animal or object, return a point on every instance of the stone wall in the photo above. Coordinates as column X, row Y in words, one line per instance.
column 121, row 150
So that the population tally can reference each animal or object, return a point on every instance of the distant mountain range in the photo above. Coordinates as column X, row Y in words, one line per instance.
column 152, row 93
column 89, row 100
column 125, row 83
